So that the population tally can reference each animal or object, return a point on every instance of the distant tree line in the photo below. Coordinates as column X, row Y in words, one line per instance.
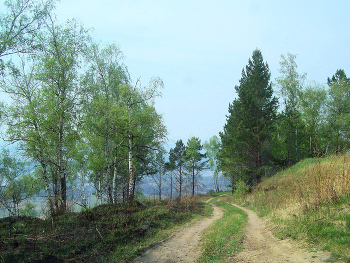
column 264, row 133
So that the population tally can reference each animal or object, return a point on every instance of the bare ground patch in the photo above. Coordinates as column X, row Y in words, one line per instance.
column 261, row 246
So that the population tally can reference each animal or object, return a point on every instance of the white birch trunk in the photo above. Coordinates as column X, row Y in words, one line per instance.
column 131, row 174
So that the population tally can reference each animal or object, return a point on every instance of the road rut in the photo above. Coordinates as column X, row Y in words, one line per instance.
column 183, row 246
column 260, row 245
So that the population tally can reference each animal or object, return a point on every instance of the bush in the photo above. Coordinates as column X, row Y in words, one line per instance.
column 241, row 188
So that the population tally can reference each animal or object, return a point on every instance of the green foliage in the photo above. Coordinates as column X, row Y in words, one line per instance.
column 212, row 148
column 247, row 133
column 289, row 142
column 20, row 25
column 28, row 210
column 241, row 188
column 194, row 160
column 73, row 123
column 313, row 109
column 17, row 184
column 177, row 161
column 338, row 112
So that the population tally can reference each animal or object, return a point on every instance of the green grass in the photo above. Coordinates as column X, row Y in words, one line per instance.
column 326, row 228
column 224, row 237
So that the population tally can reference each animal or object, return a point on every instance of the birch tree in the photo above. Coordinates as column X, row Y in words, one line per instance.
column 146, row 129
column 212, row 148
column 106, row 113
column 339, row 111
column 20, row 26
column 43, row 113
column 313, row 109
column 290, row 85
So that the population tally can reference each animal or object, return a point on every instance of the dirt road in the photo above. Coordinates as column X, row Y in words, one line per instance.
column 183, row 245
column 261, row 246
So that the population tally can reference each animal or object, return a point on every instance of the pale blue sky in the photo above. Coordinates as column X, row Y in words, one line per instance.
column 199, row 48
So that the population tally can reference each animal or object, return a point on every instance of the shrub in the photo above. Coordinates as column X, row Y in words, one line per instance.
column 241, row 188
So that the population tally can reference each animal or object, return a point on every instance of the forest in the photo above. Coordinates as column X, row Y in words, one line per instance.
column 75, row 118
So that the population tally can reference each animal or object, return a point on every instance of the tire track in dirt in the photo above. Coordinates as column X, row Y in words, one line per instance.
column 260, row 245
column 183, row 245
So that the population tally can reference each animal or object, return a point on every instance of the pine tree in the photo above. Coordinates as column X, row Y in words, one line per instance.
column 177, row 161
column 253, row 115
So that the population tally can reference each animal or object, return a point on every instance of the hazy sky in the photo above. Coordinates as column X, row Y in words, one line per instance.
column 198, row 48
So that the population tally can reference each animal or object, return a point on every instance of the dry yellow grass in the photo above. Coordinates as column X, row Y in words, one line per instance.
column 304, row 186
column 309, row 202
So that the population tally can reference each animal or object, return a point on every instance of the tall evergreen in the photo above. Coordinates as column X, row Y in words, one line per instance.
column 252, row 114
column 177, row 162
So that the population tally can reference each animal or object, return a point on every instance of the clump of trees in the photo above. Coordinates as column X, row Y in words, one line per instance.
column 74, row 111
column 260, row 136
column 186, row 165
column 76, row 117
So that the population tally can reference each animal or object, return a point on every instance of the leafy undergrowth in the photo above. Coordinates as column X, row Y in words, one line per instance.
column 107, row 233
column 224, row 237
column 309, row 202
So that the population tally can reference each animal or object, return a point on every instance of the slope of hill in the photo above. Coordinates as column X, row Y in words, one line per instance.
column 309, row 202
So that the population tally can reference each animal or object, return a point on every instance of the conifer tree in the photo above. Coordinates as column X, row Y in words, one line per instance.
column 252, row 114
column 195, row 163
column 177, row 160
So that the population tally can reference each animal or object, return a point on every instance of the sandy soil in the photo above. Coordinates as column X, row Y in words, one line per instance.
column 260, row 245
column 183, row 245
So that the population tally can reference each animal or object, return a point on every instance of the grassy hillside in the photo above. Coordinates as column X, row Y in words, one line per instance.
column 106, row 233
column 310, row 201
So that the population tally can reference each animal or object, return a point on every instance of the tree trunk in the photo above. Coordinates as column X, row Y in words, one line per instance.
column 131, row 172
column 193, row 181
column 47, row 188
column 108, row 171
column 180, row 182
column 63, row 193
column 160, row 186
column 61, row 164
column 115, row 178
column 171, row 185
column 99, row 191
